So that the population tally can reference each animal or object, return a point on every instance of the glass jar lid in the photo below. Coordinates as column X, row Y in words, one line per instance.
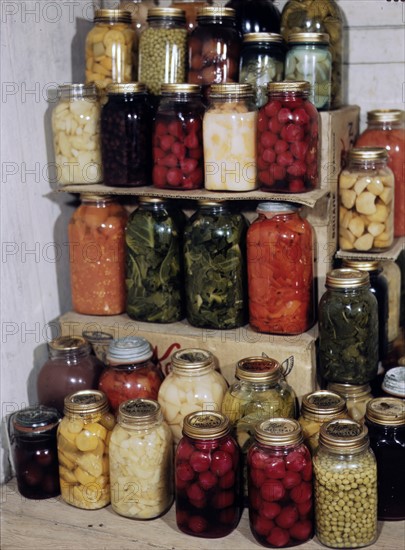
column 207, row 203
column 309, row 38
column 68, row 343
column 262, row 37
column 386, row 411
column 166, row 13
column 232, row 91
column 86, row 402
column 277, row 206
column 289, row 86
column 347, row 278
column 139, row 412
column 190, row 359
column 344, row 435
column 77, row 91
column 258, row 369
column 126, row 88
column 112, row 16
column 367, row 153
column 277, row 432
column 361, row 265
column 215, row 11
column 385, row 115
column 205, row 425
column 34, row 420
column 130, row 349
column 322, row 405
column 351, row 391
column 167, row 89
column 394, row 382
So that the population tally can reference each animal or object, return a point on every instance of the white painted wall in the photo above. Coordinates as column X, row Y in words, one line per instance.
column 42, row 43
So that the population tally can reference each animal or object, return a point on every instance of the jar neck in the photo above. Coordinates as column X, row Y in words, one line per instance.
column 153, row 207
column 260, row 386
column 342, row 452
column 130, row 366
column 126, row 97
column 288, row 95
column 70, row 356
column 277, row 215
column 385, row 125
column 97, row 203
column 367, row 164
column 213, row 210
column 179, row 97
column 350, row 291
column 167, row 23
column 192, row 371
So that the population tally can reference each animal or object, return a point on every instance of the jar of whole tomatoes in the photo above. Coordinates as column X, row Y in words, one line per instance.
column 130, row 371
column 288, row 139
column 207, row 476
column 97, row 256
column 280, row 261
column 280, row 484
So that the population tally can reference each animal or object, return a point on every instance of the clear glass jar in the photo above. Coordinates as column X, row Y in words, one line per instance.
column 76, row 135
column 141, row 461
column 280, row 485
column 366, row 201
column 345, row 473
column 356, row 397
column 386, row 128
column 261, row 61
column 192, row 385
column 309, row 58
column 154, row 273
column 178, row 161
column 256, row 15
column 392, row 274
column 191, row 7
column 288, row 139
column 215, row 266
column 280, row 256
column 83, row 439
column 32, row 434
column 229, row 135
column 385, row 419
column 348, row 328
column 323, row 16
column 97, row 256
column 207, row 477
column 70, row 367
column 130, row 373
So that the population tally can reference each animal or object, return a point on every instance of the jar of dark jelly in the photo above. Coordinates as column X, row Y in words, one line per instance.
column 33, row 444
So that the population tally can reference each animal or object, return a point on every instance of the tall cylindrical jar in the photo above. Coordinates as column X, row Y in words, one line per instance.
column 193, row 384
column 207, row 476
column 83, row 440
column 288, row 139
column 356, row 397
column 392, row 274
column 348, row 328
column 215, row 266
column 229, row 134
column 141, row 461
column 280, row 270
column 97, row 256
column 154, row 274
column 366, row 201
column 345, row 473
column 256, row 15
column 280, row 485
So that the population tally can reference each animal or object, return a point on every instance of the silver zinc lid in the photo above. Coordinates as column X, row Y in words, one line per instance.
column 129, row 349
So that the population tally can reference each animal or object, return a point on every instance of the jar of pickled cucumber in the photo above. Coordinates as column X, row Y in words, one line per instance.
column 141, row 456
column 193, row 384
column 83, row 439
column 356, row 397
column 345, row 473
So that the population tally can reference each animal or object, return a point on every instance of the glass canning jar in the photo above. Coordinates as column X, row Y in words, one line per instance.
column 207, row 476
column 356, row 397
column 141, row 461
column 345, row 473
column 191, row 7
column 256, row 15
column 280, row 485
column 392, row 274
column 192, row 385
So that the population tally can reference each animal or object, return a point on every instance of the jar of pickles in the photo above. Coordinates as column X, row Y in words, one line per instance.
column 345, row 473
column 356, row 397
column 83, row 439
column 280, row 484
column 97, row 255
column 207, row 477
column 256, row 15
column 141, row 461
column 193, row 384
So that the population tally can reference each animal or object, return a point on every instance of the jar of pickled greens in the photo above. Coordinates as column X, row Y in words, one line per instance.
column 345, row 473
column 83, row 439
column 97, row 255
column 256, row 15
column 192, row 385
column 191, row 8
column 154, row 274
column 141, row 461
column 207, row 477
column 280, row 484
column 392, row 275
column 356, row 397
column 324, row 16
column 261, row 61
column 215, row 266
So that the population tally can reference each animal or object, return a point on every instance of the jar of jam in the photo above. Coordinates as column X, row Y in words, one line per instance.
column 280, row 485
column 229, row 135
column 178, row 161
column 280, row 247
column 141, row 461
column 256, row 15
column 366, row 201
column 32, row 434
column 207, row 477
column 70, row 367
column 83, row 439
column 348, row 328
column 356, row 397
column 193, row 384
column 191, row 8
column 130, row 372
column 97, row 256
column 288, row 139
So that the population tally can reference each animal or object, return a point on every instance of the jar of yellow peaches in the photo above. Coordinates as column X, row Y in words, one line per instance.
column 83, row 439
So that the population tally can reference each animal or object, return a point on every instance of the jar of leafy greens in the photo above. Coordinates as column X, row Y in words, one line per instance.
column 153, row 262
column 215, row 267
column 348, row 328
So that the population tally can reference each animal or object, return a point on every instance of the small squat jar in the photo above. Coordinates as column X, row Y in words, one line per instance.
column 141, row 455
column 356, row 397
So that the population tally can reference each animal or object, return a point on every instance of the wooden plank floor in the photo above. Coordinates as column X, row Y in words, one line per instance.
column 54, row 525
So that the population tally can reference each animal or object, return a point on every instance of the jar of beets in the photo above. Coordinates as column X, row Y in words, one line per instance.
column 287, row 146
column 177, row 138
column 280, row 485
column 207, row 484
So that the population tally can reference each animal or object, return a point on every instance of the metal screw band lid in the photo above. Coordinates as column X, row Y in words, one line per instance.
column 361, row 265
column 277, row 432
column 139, row 412
column 322, row 405
column 308, row 38
column 77, row 91
column 33, row 420
column 215, row 11
column 170, row 13
column 191, row 359
column 343, row 278
column 385, row 115
column 205, row 425
column 386, row 411
column 112, row 16
column 258, row 369
column 129, row 349
column 289, row 86
column 68, row 343
column 344, row 435
column 86, row 402
column 262, row 37
column 367, row 153
column 277, row 206
column 126, row 88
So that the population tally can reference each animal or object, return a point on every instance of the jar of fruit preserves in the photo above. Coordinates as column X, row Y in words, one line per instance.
column 280, row 484
column 207, row 477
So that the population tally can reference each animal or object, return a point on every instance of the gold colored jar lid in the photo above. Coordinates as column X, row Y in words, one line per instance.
column 343, row 434
column 93, row 197
column 166, row 13
column 139, row 412
column 205, row 425
column 215, row 11
column 322, row 405
column 308, row 38
column 385, row 115
column 205, row 202
column 346, row 278
column 278, row 432
column 35, row 420
column 386, row 411
column 86, row 402
column 191, row 359
column 349, row 390
column 361, row 265
column 78, row 91
column 112, row 16
column 258, row 369
column 289, row 86
column 367, row 153
column 262, row 37
column 68, row 343
column 151, row 200
column 180, row 89
column 234, row 90
column 126, row 88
